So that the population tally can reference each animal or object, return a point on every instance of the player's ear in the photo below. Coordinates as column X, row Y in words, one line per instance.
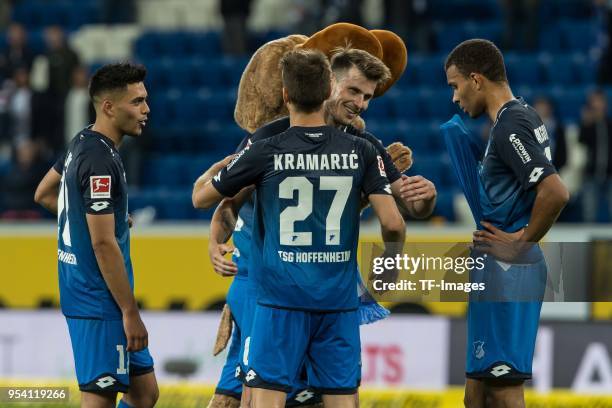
column 107, row 107
column 285, row 96
column 476, row 80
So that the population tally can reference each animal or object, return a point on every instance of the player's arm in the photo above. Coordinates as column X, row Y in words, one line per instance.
column 222, row 226
column 391, row 222
column 551, row 197
column 48, row 190
column 110, row 261
column 203, row 196
column 533, row 168
column 416, row 195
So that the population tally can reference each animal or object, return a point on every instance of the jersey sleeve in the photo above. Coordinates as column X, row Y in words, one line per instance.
column 375, row 178
column 392, row 173
column 244, row 170
column 520, row 150
column 59, row 164
column 100, row 183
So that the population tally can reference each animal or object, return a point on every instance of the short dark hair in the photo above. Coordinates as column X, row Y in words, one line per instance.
column 307, row 78
column 478, row 56
column 343, row 58
column 117, row 76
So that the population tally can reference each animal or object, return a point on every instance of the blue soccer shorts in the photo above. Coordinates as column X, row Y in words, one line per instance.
column 101, row 361
column 284, row 342
column 502, row 334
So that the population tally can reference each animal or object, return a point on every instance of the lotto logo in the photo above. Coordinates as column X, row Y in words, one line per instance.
column 536, row 174
column 100, row 186
column 237, row 373
column 304, row 396
column 106, row 382
column 250, row 376
column 100, row 205
column 500, row 370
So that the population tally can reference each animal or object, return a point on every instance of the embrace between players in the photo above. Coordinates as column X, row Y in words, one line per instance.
column 297, row 324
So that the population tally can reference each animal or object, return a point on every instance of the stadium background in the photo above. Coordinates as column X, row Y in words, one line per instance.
column 195, row 51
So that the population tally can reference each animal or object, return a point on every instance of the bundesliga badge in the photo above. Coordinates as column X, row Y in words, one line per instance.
column 100, row 186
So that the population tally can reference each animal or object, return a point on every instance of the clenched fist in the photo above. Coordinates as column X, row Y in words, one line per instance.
column 401, row 156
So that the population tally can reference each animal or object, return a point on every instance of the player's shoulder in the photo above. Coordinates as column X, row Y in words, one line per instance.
column 515, row 117
column 93, row 147
column 270, row 129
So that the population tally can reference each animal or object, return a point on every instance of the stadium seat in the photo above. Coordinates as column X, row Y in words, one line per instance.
column 438, row 104
column 558, row 68
column 579, row 35
column 523, row 69
column 406, row 104
column 430, row 71
column 569, row 102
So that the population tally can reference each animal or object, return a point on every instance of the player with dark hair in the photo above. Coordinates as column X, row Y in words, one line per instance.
column 309, row 180
column 357, row 75
column 516, row 196
column 109, row 339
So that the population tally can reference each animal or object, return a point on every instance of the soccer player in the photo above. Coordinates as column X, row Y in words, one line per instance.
column 357, row 75
column 309, row 182
column 516, row 194
column 109, row 339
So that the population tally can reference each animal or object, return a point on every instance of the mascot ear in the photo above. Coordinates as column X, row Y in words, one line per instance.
column 344, row 35
column 260, row 98
column 395, row 57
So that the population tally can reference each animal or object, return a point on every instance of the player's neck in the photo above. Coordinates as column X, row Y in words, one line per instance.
column 498, row 97
column 314, row 119
column 108, row 131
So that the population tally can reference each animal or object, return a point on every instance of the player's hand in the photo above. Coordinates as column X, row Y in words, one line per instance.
column 130, row 221
column 401, row 156
column 504, row 246
column 222, row 265
column 417, row 188
column 135, row 331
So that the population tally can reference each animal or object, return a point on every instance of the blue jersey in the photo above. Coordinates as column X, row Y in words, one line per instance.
column 93, row 182
column 516, row 159
column 244, row 225
column 306, row 218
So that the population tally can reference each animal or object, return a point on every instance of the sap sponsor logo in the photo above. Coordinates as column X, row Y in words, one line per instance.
column 100, row 186
column 541, row 134
column 520, row 148
column 66, row 257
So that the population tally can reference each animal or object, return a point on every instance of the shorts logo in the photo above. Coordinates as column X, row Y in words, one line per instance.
column 304, row 396
column 479, row 351
column 250, row 376
column 500, row 370
column 520, row 149
column 100, row 205
column 536, row 173
column 381, row 166
column 237, row 373
column 100, row 186
column 106, row 382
